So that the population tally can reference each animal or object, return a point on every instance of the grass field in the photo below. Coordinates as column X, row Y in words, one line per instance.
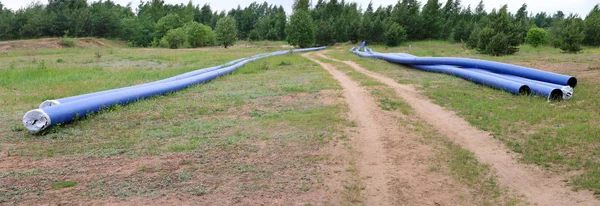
column 559, row 136
column 272, row 131
column 257, row 131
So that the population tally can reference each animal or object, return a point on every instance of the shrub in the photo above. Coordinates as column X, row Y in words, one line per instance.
column 199, row 34
column 174, row 39
column 226, row 31
column 165, row 24
column 536, row 37
column 395, row 35
column 67, row 42
column 254, row 35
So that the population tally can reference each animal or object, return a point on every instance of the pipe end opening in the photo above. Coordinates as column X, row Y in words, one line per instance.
column 36, row 120
column 524, row 90
column 556, row 95
column 572, row 82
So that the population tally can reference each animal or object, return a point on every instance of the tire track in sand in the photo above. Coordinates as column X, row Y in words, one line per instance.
column 538, row 186
column 392, row 163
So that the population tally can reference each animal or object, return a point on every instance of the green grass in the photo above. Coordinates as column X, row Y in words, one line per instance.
column 559, row 136
column 60, row 185
column 271, row 106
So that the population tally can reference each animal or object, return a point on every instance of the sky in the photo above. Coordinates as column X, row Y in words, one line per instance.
column 581, row 7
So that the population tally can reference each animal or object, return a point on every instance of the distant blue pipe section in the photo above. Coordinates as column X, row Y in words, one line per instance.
column 76, row 108
column 508, row 85
column 49, row 103
column 496, row 67
column 512, row 78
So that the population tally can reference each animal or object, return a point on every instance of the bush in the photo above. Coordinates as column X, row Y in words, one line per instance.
column 67, row 42
column 199, row 34
column 536, row 37
column 174, row 39
column 226, row 31
column 254, row 35
column 138, row 31
column 494, row 43
column 300, row 30
column 165, row 24
column 395, row 35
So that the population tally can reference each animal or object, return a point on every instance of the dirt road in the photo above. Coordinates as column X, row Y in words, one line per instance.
column 538, row 186
column 391, row 161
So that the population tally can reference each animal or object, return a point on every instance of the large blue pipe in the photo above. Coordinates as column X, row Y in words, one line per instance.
column 495, row 67
column 503, row 84
column 508, row 85
column 548, row 90
column 49, row 103
column 40, row 119
column 497, row 80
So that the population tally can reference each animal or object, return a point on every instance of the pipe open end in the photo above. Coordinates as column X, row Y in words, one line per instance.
column 572, row 82
column 49, row 103
column 36, row 120
column 556, row 95
column 524, row 90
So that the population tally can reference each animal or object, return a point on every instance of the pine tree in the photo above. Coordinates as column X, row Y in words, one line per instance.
column 432, row 19
column 571, row 34
column 301, row 30
column 395, row 35
column 592, row 27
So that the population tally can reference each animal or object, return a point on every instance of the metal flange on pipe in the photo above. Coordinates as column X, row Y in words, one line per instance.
column 511, row 78
column 61, row 111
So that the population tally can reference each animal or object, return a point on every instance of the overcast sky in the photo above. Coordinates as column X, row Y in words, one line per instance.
column 581, row 7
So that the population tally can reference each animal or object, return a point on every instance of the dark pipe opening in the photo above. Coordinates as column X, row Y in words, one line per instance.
column 556, row 95
column 524, row 90
column 572, row 82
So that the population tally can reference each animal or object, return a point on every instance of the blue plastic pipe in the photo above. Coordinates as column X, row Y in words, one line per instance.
column 545, row 89
column 49, row 103
column 508, row 85
column 39, row 119
column 495, row 67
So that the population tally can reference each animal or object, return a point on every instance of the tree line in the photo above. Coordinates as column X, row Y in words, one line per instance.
column 155, row 23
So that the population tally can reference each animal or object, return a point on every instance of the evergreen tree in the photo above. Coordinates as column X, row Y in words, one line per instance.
column 395, row 35
column 325, row 34
column 138, row 31
column 521, row 21
column 592, row 27
column 6, row 22
column 571, row 34
column 206, row 15
column 226, row 31
column 432, row 19
column 407, row 14
column 300, row 31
